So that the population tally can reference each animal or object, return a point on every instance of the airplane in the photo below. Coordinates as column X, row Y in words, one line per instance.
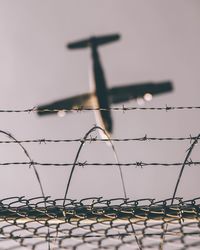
column 100, row 96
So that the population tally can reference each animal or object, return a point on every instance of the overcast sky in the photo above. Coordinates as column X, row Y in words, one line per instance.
column 160, row 41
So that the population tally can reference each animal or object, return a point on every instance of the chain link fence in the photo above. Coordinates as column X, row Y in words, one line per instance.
column 97, row 223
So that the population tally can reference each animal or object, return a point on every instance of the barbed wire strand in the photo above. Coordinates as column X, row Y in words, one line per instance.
column 84, row 164
column 95, row 139
column 184, row 164
column 190, row 149
column 80, row 108
column 31, row 162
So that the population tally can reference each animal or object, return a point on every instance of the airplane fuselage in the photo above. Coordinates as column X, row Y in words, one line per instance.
column 101, row 91
column 100, row 98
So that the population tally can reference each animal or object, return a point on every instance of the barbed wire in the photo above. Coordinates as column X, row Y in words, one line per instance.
column 85, row 163
column 95, row 139
column 63, row 223
column 27, row 155
column 78, row 109
column 189, row 152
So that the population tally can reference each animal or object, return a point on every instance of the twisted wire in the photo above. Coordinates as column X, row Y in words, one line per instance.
column 83, row 164
column 95, row 139
column 122, row 108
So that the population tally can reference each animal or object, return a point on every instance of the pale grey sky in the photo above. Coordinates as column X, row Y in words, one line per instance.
column 160, row 41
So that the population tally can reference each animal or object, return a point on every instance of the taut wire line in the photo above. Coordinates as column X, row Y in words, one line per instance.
column 80, row 108
column 103, row 164
column 94, row 139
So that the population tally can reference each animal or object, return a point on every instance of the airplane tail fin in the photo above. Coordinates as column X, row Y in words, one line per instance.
column 93, row 41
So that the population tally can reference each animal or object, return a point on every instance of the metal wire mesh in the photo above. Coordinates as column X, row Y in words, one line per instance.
column 96, row 223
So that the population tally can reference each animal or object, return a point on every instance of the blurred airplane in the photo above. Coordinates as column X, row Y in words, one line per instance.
column 101, row 96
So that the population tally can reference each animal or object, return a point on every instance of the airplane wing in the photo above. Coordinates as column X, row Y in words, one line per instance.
column 85, row 100
column 133, row 91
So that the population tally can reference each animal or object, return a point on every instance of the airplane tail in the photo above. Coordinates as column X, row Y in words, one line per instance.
column 93, row 41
